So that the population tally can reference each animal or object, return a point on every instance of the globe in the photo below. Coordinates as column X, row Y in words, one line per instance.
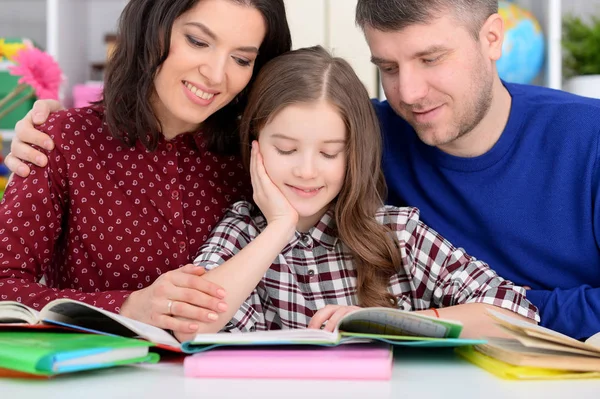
column 523, row 47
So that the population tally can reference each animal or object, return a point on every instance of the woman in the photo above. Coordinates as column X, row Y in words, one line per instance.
column 108, row 220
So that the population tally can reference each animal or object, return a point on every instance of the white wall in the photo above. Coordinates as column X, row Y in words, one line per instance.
column 102, row 18
column 23, row 18
column 584, row 8
column 306, row 19
column 330, row 23
column 348, row 41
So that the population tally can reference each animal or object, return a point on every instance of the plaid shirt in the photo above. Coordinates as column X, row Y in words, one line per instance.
column 315, row 269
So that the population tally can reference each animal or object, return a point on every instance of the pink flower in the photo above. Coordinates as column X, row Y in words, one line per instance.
column 38, row 70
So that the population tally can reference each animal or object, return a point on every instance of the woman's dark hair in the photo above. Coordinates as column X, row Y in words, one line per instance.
column 143, row 43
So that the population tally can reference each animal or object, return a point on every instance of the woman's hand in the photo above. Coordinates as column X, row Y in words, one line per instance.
column 330, row 314
column 271, row 201
column 26, row 134
column 177, row 301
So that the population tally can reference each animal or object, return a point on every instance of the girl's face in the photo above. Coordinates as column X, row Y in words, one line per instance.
column 304, row 153
column 211, row 58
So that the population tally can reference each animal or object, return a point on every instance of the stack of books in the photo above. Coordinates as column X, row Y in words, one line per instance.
column 45, row 344
column 379, row 328
column 359, row 348
column 46, row 354
column 535, row 352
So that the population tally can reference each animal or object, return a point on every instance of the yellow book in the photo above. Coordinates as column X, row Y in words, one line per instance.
column 535, row 352
column 513, row 352
column 512, row 372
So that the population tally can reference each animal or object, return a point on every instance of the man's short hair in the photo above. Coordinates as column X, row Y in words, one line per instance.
column 395, row 15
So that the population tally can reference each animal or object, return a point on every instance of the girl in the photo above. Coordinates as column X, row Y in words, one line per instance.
column 317, row 242
column 107, row 220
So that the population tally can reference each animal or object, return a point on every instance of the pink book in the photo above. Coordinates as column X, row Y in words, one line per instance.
column 345, row 362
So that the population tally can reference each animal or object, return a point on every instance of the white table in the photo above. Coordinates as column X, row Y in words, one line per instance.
column 417, row 374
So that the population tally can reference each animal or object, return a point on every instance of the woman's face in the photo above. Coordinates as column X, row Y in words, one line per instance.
column 211, row 58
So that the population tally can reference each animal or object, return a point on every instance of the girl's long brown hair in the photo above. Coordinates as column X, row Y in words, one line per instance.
column 309, row 75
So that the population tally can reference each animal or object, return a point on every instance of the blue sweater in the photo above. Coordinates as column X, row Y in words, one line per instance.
column 530, row 206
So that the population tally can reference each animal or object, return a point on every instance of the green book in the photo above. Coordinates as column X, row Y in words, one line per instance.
column 50, row 353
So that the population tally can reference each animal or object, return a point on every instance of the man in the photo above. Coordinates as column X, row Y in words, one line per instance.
column 507, row 171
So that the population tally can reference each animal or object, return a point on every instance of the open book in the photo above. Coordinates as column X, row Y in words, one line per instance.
column 393, row 326
column 83, row 317
column 540, row 347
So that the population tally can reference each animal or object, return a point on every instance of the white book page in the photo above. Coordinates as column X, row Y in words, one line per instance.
column 81, row 314
column 387, row 321
column 594, row 340
column 525, row 326
column 16, row 312
column 542, row 344
column 273, row 336
column 151, row 333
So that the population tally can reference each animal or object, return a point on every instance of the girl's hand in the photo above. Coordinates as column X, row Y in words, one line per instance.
column 266, row 195
column 26, row 134
column 177, row 301
column 331, row 314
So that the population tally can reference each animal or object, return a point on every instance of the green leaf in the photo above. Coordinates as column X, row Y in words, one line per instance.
column 581, row 46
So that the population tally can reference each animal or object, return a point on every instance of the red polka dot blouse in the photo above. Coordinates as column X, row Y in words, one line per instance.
column 102, row 220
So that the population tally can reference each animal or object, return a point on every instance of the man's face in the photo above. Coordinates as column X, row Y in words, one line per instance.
column 437, row 76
